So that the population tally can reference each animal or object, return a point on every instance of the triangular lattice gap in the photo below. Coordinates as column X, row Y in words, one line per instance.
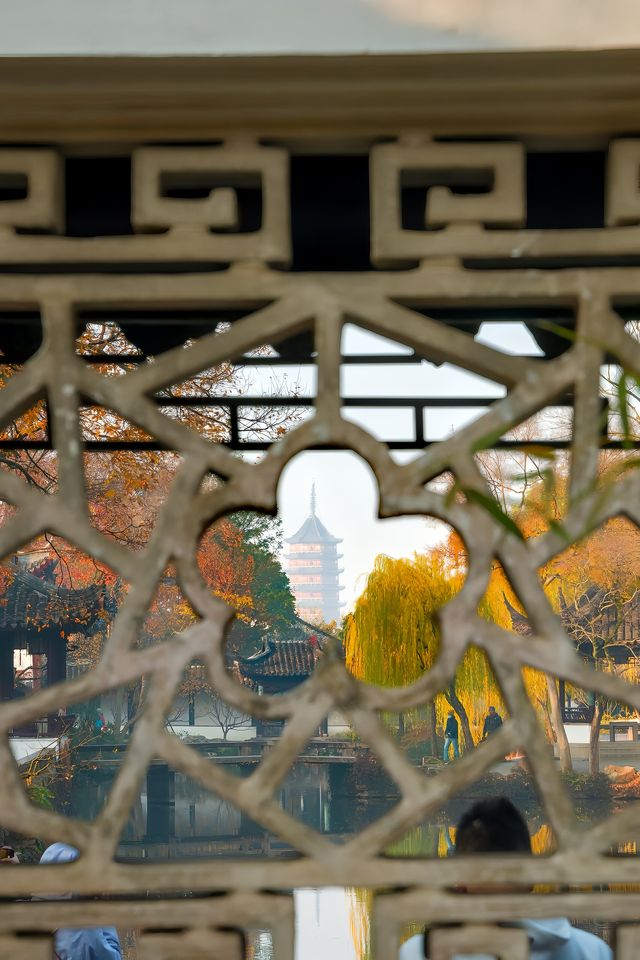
column 255, row 395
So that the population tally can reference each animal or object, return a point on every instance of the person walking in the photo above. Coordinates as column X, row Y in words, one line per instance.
column 451, row 737
column 81, row 943
column 492, row 722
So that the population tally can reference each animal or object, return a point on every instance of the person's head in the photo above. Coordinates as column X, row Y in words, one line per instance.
column 493, row 826
column 492, row 710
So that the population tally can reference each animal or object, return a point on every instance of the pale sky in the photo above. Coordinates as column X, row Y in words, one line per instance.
column 271, row 27
column 346, row 491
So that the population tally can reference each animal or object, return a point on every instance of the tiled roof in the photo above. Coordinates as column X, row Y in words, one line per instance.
column 312, row 530
column 282, row 658
column 592, row 615
column 32, row 603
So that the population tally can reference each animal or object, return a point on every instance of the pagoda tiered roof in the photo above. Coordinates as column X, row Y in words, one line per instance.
column 313, row 530
column 312, row 567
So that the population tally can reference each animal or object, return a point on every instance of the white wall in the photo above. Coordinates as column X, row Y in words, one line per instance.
column 337, row 723
column 25, row 749
column 213, row 733
column 577, row 732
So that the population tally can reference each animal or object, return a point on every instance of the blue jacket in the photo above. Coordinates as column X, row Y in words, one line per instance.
column 553, row 939
column 90, row 943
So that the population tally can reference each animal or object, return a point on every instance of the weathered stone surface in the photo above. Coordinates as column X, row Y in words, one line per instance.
column 320, row 303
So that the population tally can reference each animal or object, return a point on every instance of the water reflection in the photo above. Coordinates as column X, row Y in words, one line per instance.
column 174, row 816
column 261, row 945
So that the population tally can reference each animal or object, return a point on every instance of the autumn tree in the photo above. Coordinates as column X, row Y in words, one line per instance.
column 392, row 637
column 126, row 489
column 593, row 583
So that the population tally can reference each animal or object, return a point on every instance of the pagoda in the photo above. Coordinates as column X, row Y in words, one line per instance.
column 313, row 571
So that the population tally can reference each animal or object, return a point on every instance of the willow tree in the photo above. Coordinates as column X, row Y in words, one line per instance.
column 392, row 637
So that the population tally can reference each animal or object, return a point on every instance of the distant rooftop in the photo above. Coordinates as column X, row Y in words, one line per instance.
column 32, row 603
column 286, row 658
column 277, row 27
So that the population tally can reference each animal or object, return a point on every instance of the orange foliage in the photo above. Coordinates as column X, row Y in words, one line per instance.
column 608, row 558
column 226, row 565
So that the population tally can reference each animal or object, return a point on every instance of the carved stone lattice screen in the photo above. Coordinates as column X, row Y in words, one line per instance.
column 473, row 250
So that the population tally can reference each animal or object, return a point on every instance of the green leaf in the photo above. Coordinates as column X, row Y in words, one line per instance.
column 547, row 476
column 541, row 451
column 451, row 493
column 549, row 480
column 558, row 329
column 492, row 507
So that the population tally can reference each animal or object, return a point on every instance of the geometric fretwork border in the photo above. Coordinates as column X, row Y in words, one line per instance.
column 175, row 927
column 430, row 906
column 321, row 304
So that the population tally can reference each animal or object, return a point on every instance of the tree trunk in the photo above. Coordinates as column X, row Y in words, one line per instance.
column 118, row 710
column 548, row 726
column 401, row 730
column 139, row 695
column 594, row 738
column 432, row 720
column 454, row 701
column 564, row 750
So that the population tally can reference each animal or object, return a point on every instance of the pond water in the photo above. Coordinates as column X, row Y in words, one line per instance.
column 176, row 818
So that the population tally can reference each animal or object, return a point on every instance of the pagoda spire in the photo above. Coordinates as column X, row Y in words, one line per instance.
column 313, row 499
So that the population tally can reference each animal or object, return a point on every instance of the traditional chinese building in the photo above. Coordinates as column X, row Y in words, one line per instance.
column 281, row 664
column 599, row 627
column 39, row 616
column 312, row 566
column 278, row 667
